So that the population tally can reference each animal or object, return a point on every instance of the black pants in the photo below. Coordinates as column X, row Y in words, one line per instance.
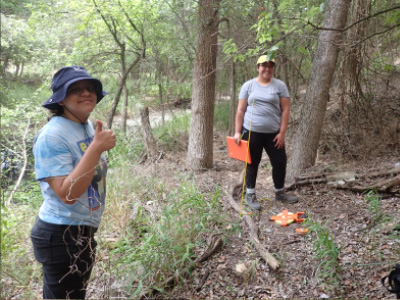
column 67, row 254
column 277, row 157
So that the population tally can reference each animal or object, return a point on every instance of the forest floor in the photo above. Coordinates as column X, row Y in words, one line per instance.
column 367, row 242
column 358, row 241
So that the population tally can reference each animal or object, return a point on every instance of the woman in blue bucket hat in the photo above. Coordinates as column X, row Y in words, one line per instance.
column 71, row 169
column 262, row 117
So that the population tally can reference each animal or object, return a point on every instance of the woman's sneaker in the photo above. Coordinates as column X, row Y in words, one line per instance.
column 252, row 201
column 283, row 197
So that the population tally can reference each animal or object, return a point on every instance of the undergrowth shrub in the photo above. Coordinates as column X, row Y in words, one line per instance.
column 380, row 223
column 174, row 132
column 326, row 253
column 19, row 271
column 158, row 246
column 126, row 152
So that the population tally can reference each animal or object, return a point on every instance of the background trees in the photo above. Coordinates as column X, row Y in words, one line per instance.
column 152, row 54
column 146, row 51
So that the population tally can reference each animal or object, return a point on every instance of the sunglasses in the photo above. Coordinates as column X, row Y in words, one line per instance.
column 267, row 65
column 78, row 90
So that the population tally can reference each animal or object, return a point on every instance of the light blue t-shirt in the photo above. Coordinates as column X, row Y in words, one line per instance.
column 58, row 148
column 265, row 116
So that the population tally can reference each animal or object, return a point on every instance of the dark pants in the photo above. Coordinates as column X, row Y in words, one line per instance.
column 67, row 254
column 277, row 157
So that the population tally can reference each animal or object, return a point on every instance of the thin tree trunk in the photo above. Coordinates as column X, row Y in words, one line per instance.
column 200, row 149
column 119, row 92
column 125, row 109
column 313, row 111
column 16, row 71
column 22, row 70
column 233, row 102
column 160, row 97
column 148, row 137
column 23, row 169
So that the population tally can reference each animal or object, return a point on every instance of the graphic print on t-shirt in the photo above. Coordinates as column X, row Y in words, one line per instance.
column 97, row 188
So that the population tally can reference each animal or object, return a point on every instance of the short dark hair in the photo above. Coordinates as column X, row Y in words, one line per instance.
column 57, row 111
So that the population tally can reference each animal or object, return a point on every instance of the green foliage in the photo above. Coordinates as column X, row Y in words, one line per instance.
column 29, row 193
column 15, row 7
column 221, row 115
column 374, row 204
column 155, row 248
column 19, row 270
column 126, row 151
column 8, row 220
column 172, row 131
column 15, row 42
column 326, row 253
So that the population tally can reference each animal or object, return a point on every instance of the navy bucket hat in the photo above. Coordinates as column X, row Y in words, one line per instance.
column 64, row 78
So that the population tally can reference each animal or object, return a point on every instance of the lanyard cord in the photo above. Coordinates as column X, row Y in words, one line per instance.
column 247, row 156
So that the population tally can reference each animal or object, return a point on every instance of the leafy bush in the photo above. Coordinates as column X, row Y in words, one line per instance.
column 157, row 247
column 127, row 150
column 173, row 130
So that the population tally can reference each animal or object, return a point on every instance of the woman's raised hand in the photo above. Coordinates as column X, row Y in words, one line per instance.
column 104, row 139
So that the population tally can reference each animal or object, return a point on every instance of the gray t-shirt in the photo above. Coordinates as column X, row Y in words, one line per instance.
column 265, row 115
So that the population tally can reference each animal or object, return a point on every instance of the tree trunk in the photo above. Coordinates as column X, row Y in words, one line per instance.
column 200, row 149
column 148, row 137
column 16, row 71
column 125, row 110
column 233, row 102
column 119, row 92
column 317, row 94
column 22, row 70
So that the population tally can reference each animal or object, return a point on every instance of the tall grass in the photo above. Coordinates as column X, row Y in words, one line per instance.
column 158, row 245
column 326, row 253
column 380, row 222
column 153, row 226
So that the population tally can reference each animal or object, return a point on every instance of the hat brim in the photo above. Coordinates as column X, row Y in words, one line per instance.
column 59, row 95
column 266, row 61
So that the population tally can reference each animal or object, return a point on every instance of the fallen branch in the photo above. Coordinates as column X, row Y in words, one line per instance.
column 386, row 181
column 203, row 280
column 215, row 244
column 271, row 261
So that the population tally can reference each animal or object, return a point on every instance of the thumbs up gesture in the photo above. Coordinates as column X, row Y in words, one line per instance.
column 103, row 139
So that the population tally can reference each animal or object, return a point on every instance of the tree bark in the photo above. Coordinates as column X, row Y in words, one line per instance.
column 233, row 101
column 125, row 110
column 313, row 111
column 200, row 149
column 147, row 133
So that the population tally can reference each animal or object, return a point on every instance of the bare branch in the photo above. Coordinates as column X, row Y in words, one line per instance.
column 113, row 31
column 137, row 30
column 376, row 33
column 22, row 173
column 355, row 23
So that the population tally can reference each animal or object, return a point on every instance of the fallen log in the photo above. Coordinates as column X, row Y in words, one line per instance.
column 386, row 181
